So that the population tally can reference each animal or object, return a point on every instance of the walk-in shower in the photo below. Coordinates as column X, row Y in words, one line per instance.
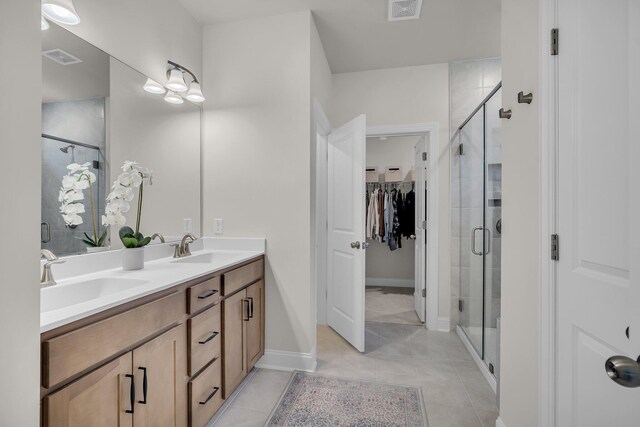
column 476, row 200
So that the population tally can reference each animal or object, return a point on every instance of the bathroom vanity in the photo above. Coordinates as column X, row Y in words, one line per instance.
column 167, row 352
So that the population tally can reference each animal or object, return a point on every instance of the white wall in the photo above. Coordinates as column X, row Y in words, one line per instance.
column 143, row 34
column 257, row 156
column 405, row 96
column 520, row 225
column 382, row 262
column 20, row 112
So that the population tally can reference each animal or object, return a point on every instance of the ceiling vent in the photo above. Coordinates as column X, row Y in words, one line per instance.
column 61, row 57
column 400, row 10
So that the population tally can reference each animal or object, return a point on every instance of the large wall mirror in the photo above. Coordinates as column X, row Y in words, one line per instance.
column 96, row 113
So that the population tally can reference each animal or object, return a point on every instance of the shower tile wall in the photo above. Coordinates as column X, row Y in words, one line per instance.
column 470, row 82
column 81, row 121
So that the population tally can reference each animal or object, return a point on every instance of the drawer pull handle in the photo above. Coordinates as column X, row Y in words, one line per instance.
column 250, row 307
column 246, row 319
column 215, row 390
column 132, row 394
column 144, row 387
column 207, row 294
column 209, row 338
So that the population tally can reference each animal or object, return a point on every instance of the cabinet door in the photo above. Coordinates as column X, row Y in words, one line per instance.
column 235, row 314
column 161, row 390
column 99, row 399
column 255, row 325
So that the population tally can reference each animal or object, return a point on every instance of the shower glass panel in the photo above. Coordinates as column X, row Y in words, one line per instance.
column 470, row 180
column 57, row 153
column 476, row 209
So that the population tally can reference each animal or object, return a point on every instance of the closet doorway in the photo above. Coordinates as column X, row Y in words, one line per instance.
column 395, row 275
column 422, row 292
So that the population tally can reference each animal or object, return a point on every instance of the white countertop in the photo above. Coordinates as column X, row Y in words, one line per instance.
column 161, row 272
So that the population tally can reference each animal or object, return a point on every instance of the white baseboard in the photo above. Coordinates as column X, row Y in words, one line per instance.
column 287, row 361
column 444, row 324
column 499, row 423
column 483, row 368
column 396, row 283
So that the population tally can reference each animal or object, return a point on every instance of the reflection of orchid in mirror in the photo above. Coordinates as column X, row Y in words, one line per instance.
column 71, row 196
column 118, row 202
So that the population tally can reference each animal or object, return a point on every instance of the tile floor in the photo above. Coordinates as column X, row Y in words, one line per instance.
column 454, row 391
column 391, row 305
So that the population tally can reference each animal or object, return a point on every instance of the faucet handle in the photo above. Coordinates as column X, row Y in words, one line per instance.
column 177, row 253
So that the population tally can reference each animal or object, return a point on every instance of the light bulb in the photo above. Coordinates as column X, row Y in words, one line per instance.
column 195, row 93
column 173, row 98
column 154, row 87
column 61, row 11
column 176, row 81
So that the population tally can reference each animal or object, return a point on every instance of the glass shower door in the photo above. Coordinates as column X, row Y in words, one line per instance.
column 471, row 203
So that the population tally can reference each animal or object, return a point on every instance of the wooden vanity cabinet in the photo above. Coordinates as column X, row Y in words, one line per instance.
column 243, row 322
column 163, row 360
column 135, row 389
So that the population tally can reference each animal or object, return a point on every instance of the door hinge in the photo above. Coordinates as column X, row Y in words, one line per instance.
column 424, row 157
column 554, row 41
column 424, row 293
column 460, row 305
column 555, row 248
column 492, row 369
column 461, row 149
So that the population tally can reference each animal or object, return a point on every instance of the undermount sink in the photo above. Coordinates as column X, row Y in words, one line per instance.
column 59, row 296
column 207, row 258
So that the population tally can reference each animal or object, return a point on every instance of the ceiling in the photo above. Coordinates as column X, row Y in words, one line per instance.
column 357, row 36
column 85, row 80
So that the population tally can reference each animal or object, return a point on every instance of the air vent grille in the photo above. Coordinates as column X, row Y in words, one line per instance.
column 400, row 10
column 61, row 57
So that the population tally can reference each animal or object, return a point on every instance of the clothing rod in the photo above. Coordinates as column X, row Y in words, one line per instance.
column 482, row 104
column 68, row 141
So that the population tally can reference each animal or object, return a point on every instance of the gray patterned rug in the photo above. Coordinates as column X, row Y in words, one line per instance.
column 312, row 400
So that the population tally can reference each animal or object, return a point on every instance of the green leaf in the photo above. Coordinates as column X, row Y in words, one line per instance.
column 144, row 242
column 140, row 237
column 102, row 238
column 130, row 242
column 124, row 231
column 91, row 239
column 88, row 243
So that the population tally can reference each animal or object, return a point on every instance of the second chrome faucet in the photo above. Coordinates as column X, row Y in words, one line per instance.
column 182, row 250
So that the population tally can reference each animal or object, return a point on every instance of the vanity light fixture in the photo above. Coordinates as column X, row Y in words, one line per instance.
column 44, row 24
column 154, row 87
column 173, row 98
column 177, row 83
column 60, row 11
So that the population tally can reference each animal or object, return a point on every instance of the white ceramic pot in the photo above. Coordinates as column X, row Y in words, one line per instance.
column 132, row 259
column 93, row 249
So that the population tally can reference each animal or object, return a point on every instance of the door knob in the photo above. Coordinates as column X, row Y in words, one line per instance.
column 624, row 371
column 355, row 245
column 365, row 245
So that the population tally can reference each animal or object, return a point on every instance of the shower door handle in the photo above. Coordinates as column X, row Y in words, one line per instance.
column 473, row 241
column 46, row 227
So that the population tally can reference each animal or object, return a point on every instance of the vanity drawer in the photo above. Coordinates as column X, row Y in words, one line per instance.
column 240, row 277
column 204, row 294
column 69, row 354
column 205, row 394
column 205, row 339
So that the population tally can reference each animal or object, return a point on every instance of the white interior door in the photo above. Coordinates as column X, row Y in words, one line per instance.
column 420, row 293
column 346, row 231
column 599, row 213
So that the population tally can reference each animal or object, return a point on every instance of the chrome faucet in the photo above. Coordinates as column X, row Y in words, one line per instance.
column 158, row 236
column 47, row 276
column 182, row 250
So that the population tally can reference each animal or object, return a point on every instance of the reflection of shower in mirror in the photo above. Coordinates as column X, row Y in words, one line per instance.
column 65, row 150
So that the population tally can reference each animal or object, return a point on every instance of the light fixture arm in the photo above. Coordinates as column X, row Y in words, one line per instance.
column 183, row 69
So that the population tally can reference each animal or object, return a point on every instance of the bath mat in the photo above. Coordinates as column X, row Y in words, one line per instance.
column 313, row 400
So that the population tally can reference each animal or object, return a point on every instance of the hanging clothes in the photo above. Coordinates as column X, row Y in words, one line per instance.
column 390, row 216
column 409, row 217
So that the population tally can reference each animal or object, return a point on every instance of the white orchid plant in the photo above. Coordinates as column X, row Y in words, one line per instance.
column 133, row 177
column 71, row 195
